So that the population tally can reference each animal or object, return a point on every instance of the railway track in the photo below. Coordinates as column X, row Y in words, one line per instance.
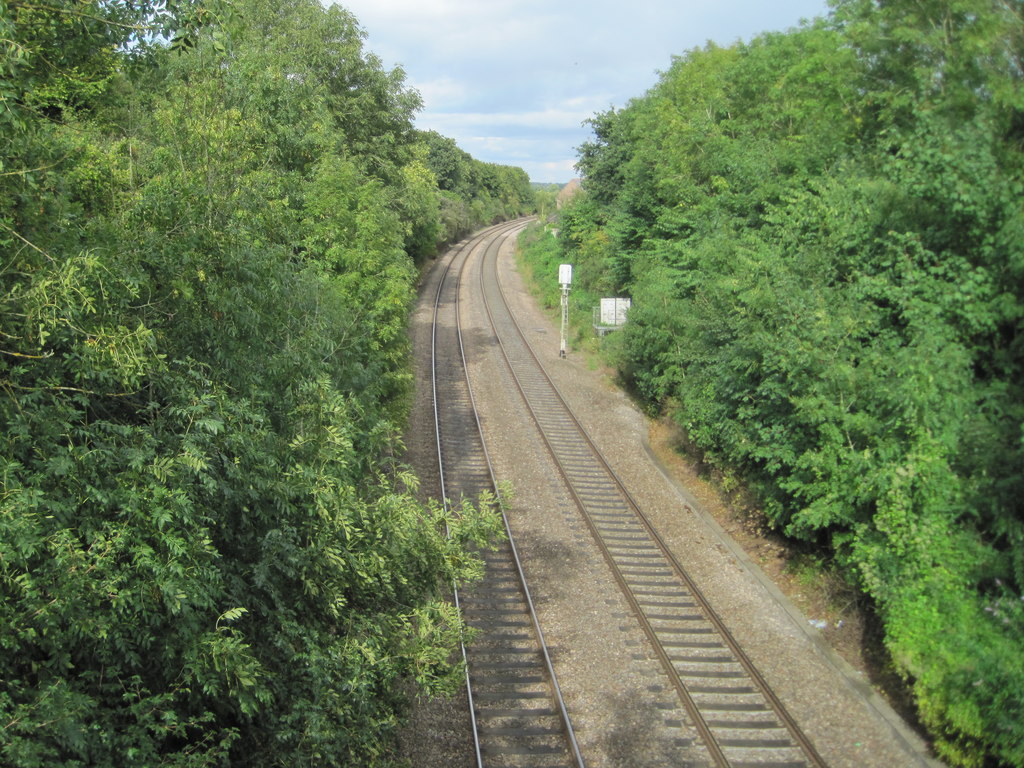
column 517, row 713
column 739, row 720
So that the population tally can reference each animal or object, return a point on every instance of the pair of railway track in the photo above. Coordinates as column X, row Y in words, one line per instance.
column 519, row 717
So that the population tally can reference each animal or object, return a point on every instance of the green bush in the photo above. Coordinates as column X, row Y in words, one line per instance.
column 209, row 554
column 818, row 230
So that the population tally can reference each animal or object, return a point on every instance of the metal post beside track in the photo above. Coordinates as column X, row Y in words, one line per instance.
column 565, row 280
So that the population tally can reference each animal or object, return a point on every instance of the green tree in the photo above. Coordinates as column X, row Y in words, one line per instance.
column 208, row 553
column 819, row 232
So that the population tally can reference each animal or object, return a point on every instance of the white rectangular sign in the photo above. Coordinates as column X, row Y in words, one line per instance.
column 613, row 311
column 565, row 274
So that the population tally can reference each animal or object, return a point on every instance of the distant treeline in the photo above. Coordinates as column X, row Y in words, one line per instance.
column 210, row 216
column 822, row 232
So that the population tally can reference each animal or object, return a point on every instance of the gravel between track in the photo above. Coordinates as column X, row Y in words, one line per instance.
column 624, row 713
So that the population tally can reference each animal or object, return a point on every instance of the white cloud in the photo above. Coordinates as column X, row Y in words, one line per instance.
column 548, row 119
column 440, row 94
column 446, row 30
column 514, row 79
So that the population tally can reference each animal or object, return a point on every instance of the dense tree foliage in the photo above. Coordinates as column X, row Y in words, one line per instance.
column 474, row 192
column 209, row 217
column 823, row 237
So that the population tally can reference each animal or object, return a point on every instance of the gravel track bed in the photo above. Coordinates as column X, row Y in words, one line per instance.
column 623, row 709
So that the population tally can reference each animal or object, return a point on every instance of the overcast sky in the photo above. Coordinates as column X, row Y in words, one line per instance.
column 513, row 80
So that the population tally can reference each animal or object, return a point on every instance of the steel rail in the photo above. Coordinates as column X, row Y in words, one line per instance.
column 495, row 237
column 445, row 502
column 445, row 499
column 563, row 712
column 690, row 704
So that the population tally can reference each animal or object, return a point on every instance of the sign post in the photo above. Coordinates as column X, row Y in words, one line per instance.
column 564, row 280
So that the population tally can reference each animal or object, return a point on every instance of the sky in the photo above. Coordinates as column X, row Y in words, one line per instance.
column 512, row 81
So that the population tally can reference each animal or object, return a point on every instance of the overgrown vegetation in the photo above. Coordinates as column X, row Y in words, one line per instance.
column 822, row 234
column 472, row 192
column 209, row 217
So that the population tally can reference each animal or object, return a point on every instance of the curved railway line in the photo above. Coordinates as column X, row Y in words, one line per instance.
column 731, row 717
column 517, row 712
